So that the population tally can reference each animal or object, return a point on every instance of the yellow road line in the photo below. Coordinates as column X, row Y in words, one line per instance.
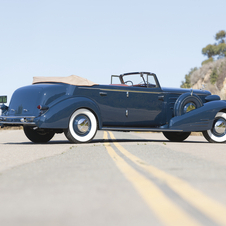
column 205, row 204
column 168, row 212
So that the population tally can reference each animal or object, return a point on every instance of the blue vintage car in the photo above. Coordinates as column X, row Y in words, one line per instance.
column 132, row 102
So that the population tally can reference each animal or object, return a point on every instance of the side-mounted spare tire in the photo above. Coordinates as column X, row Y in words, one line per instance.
column 187, row 102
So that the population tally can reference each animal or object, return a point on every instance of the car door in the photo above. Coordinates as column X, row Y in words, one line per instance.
column 112, row 103
column 145, row 107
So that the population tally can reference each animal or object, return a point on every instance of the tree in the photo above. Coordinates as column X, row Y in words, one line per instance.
column 217, row 49
column 221, row 35
column 209, row 51
column 221, row 50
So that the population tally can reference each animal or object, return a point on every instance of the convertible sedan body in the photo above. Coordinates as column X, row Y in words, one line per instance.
column 132, row 102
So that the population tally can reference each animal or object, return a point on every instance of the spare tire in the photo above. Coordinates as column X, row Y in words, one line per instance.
column 187, row 102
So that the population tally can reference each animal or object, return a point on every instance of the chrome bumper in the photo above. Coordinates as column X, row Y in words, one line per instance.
column 17, row 120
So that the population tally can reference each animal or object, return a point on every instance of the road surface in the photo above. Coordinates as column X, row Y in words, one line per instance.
column 134, row 179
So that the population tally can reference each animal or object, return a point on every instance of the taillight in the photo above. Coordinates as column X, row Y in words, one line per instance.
column 42, row 107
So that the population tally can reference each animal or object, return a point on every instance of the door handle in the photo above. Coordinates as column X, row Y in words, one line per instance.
column 103, row 93
column 161, row 98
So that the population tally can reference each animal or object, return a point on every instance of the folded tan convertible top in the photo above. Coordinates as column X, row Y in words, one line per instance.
column 72, row 80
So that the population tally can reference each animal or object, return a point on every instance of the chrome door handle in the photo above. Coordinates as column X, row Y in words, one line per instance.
column 103, row 93
column 161, row 98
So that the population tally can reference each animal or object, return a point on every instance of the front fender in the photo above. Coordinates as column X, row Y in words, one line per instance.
column 57, row 117
column 200, row 119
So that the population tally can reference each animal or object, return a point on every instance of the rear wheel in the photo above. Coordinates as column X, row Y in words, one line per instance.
column 39, row 135
column 82, row 126
column 176, row 136
column 218, row 132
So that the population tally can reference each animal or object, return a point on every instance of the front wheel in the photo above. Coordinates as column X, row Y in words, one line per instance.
column 176, row 136
column 39, row 135
column 82, row 126
column 218, row 132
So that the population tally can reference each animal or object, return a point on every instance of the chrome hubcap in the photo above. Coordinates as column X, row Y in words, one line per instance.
column 220, row 127
column 82, row 125
column 189, row 107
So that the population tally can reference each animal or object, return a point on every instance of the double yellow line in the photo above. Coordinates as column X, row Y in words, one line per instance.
column 165, row 209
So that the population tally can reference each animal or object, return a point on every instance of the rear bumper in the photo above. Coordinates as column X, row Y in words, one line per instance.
column 17, row 120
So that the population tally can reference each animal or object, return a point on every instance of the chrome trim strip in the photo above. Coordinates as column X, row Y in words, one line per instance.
column 16, row 123
column 16, row 117
column 19, row 120
column 122, row 90
column 133, row 91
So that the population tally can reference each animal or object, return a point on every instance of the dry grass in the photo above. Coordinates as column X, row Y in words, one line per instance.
column 196, row 134
column 11, row 128
column 202, row 71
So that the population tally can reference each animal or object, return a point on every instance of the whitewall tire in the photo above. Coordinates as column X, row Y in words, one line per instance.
column 218, row 132
column 82, row 126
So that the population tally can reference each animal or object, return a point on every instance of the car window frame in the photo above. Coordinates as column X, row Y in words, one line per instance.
column 157, row 85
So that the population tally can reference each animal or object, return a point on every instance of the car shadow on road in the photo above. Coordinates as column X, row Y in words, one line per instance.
column 102, row 141
column 140, row 140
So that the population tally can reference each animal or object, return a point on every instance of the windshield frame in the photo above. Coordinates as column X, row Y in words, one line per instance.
column 144, row 76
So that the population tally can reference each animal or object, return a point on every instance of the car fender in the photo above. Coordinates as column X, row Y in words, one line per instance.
column 200, row 119
column 57, row 117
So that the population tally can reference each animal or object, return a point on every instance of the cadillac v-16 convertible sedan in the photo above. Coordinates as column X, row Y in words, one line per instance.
column 132, row 102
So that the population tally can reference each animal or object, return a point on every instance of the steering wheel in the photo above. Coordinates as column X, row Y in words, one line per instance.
column 129, row 81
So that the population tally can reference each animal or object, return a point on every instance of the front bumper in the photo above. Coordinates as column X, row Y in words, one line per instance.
column 17, row 120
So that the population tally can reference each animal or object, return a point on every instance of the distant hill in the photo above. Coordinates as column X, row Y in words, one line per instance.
column 211, row 76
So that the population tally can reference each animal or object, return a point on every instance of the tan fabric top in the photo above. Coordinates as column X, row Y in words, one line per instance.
column 72, row 80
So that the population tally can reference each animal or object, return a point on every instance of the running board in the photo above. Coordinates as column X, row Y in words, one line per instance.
column 141, row 129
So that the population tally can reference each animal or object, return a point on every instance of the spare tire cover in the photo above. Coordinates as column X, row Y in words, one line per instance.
column 185, row 99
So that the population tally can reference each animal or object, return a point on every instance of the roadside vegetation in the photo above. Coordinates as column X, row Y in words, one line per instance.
column 212, row 74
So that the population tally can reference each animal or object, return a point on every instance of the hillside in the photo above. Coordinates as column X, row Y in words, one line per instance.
column 211, row 76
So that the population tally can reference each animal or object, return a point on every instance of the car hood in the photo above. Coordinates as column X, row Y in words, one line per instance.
column 180, row 91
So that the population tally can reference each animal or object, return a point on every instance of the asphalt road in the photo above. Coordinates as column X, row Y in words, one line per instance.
column 133, row 179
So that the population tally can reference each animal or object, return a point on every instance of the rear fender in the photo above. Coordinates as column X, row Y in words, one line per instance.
column 58, row 115
column 200, row 119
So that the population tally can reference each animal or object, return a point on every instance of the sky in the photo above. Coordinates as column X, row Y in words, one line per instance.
column 95, row 39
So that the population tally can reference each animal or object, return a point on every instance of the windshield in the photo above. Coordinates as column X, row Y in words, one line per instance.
column 139, row 80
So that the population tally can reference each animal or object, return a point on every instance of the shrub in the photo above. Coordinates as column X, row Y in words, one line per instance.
column 207, row 61
column 214, row 76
